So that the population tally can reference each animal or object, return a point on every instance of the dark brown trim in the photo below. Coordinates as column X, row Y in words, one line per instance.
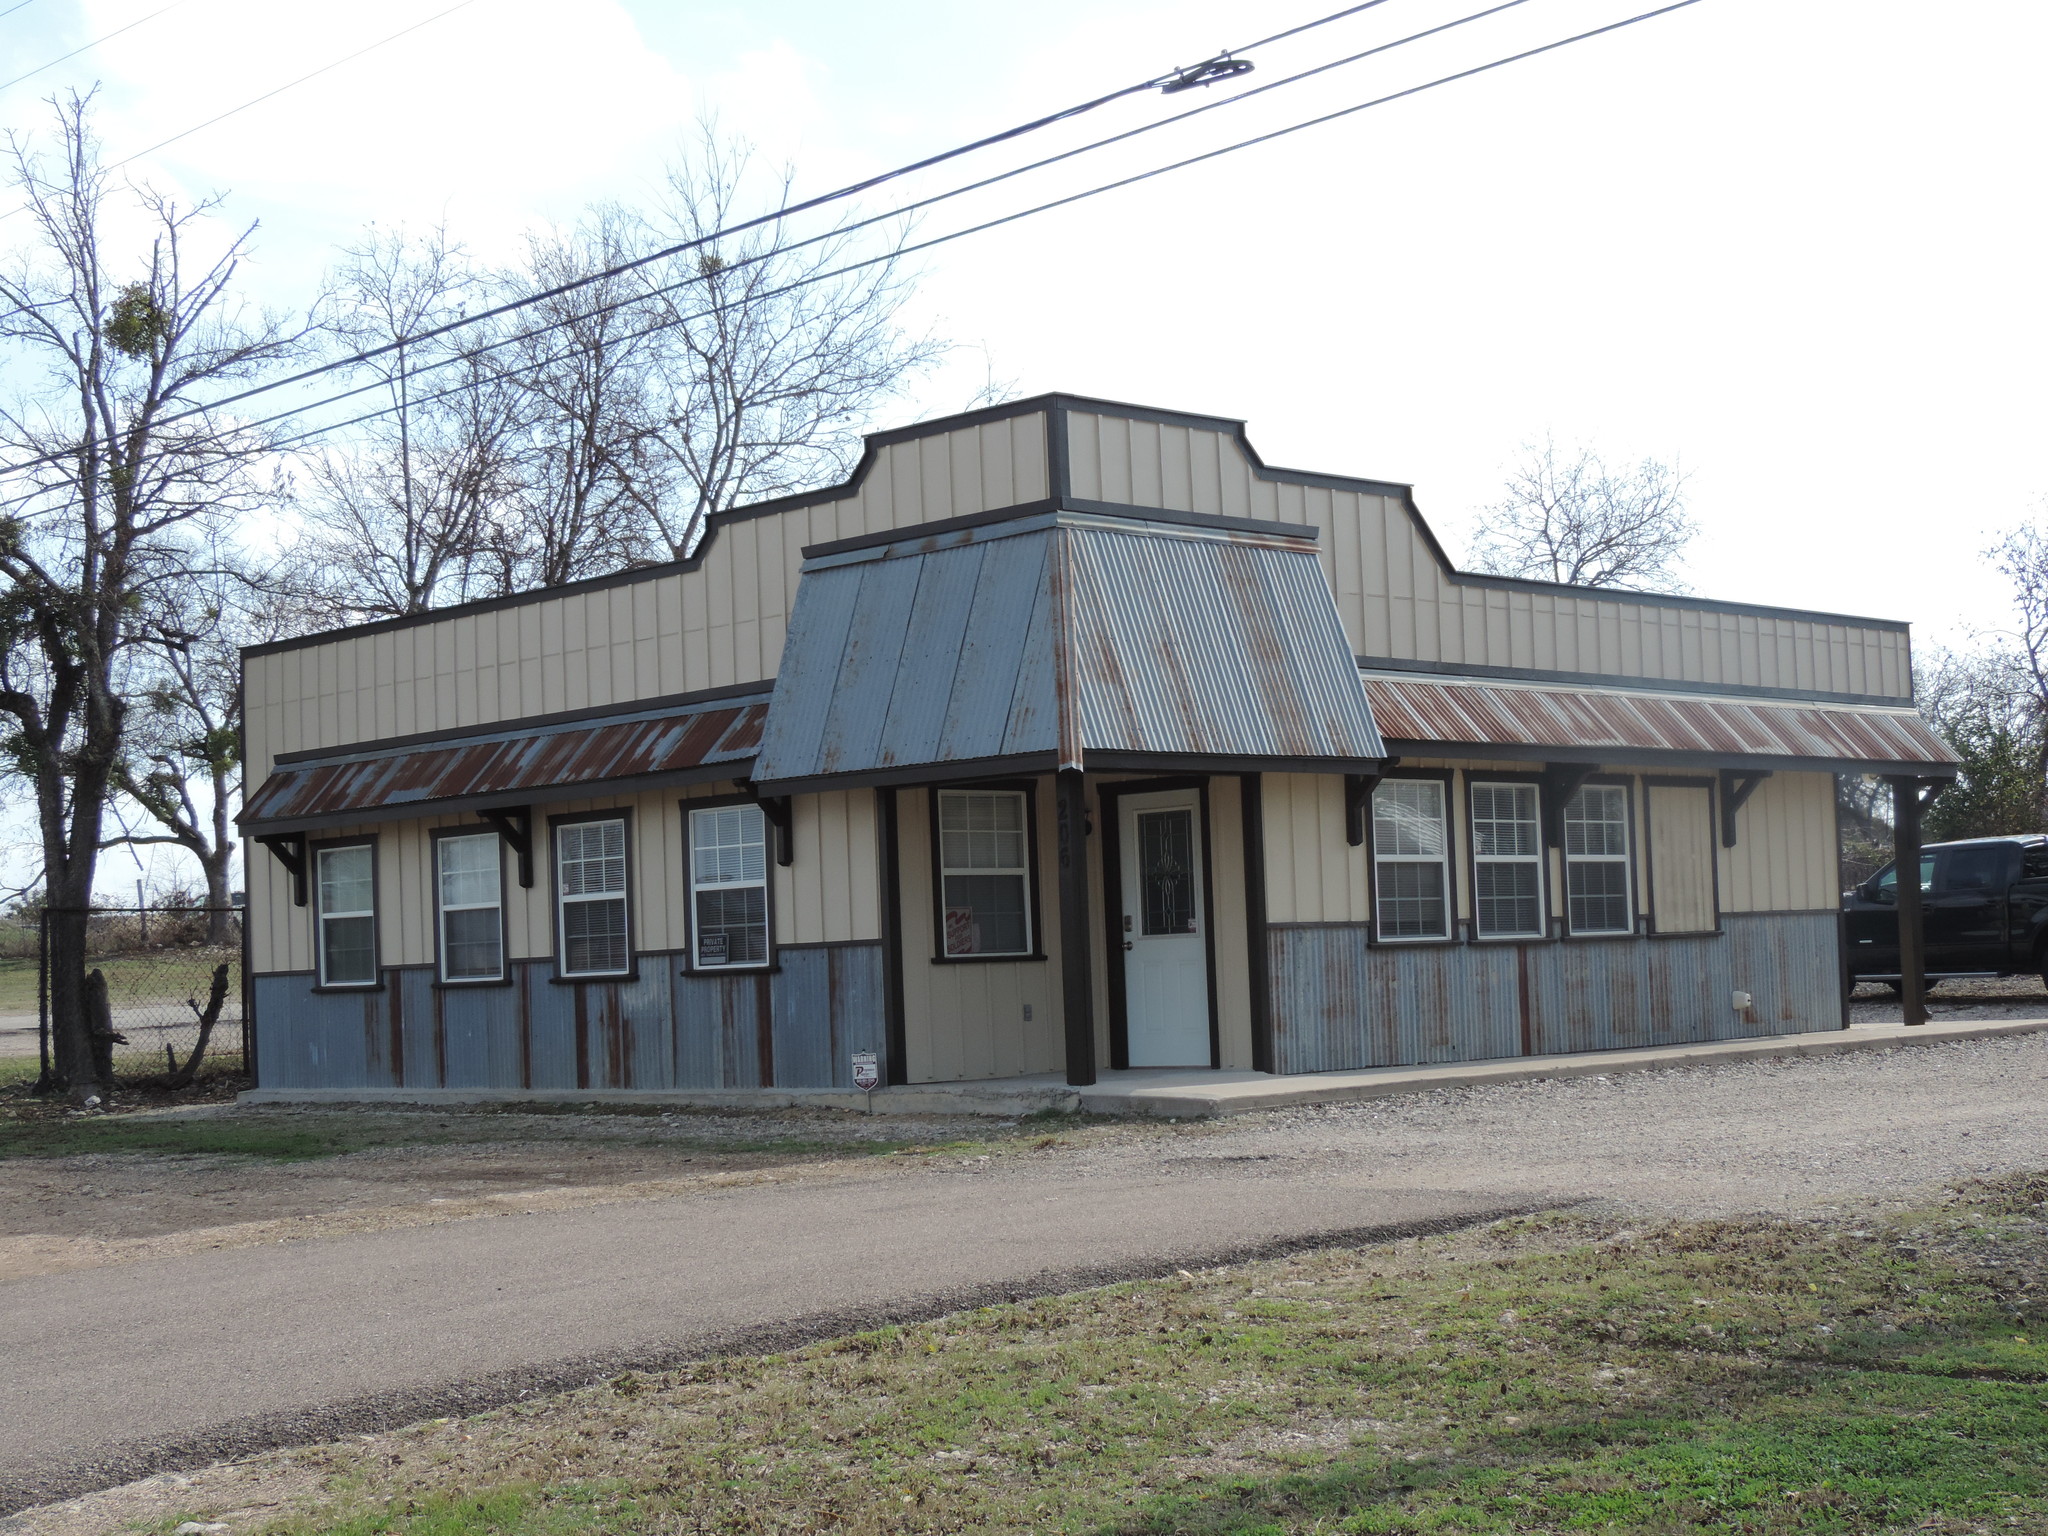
column 1544, row 892
column 1214, row 763
column 1028, row 788
column 955, row 773
column 1110, row 797
column 690, row 965
column 1308, row 532
column 313, row 852
column 938, row 527
column 582, row 978
column 895, row 1066
column 1059, row 452
column 1448, row 778
column 435, row 837
column 1258, row 966
column 525, row 724
column 1077, row 983
column 1651, row 784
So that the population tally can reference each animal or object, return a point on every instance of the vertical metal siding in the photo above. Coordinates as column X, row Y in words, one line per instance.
column 1341, row 1004
column 828, row 1004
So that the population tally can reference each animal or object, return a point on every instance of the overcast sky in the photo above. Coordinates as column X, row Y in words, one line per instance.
column 1793, row 244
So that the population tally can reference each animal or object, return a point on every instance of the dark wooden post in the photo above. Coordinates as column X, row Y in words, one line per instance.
column 1077, row 987
column 1912, row 919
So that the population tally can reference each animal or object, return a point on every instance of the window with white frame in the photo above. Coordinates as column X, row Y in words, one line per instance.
column 1507, row 861
column 469, row 893
column 984, row 872
column 1596, row 860
column 728, row 886
column 346, row 917
column 590, row 897
column 1411, row 850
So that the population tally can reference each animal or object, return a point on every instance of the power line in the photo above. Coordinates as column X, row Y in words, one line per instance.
column 1045, row 207
column 289, row 85
column 989, row 224
column 837, row 195
column 74, row 53
column 838, row 232
column 20, row 5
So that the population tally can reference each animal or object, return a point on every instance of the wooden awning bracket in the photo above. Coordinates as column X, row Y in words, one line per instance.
column 1560, row 782
column 1737, row 785
column 1930, row 789
column 776, row 809
column 1358, row 788
column 289, row 849
column 514, row 823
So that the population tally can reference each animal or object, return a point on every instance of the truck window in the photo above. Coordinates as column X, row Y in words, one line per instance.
column 1974, row 869
column 2037, row 861
column 1888, row 877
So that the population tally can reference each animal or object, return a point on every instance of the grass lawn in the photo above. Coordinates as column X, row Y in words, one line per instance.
column 1551, row 1375
column 133, row 981
column 300, row 1136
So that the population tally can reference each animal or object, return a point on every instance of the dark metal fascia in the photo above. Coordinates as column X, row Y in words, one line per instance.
column 1624, row 756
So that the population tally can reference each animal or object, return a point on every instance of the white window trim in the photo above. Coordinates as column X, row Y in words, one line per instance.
column 442, row 909
column 321, row 916
column 767, row 959
column 563, row 900
column 1443, row 860
column 1626, row 859
column 1022, row 871
column 1535, row 860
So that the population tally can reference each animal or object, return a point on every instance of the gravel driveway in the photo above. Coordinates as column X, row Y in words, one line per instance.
column 407, row 1323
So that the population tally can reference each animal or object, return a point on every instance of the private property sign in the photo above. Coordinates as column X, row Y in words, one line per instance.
column 867, row 1072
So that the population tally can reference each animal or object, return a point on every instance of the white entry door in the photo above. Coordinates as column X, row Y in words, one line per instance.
column 1166, row 955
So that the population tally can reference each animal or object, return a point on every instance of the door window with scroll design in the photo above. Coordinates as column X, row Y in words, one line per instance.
column 1166, row 861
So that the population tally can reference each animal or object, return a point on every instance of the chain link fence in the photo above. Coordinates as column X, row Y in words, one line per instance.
column 160, row 970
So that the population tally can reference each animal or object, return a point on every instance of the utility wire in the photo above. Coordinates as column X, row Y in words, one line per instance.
column 839, row 194
column 839, row 232
column 289, row 85
column 1096, row 191
column 20, row 5
column 74, row 53
column 994, row 223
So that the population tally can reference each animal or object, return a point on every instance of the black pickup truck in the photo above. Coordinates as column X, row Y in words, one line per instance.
column 1986, row 912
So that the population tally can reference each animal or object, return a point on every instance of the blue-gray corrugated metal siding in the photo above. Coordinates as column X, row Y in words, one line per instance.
column 1203, row 645
column 797, row 1027
column 1339, row 1003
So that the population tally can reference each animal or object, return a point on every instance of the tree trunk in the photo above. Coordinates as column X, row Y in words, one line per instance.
column 220, row 929
column 71, row 1053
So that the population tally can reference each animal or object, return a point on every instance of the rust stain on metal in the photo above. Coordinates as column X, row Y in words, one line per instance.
column 581, row 755
column 1475, row 714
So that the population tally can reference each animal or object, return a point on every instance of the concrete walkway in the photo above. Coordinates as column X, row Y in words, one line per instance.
column 1198, row 1094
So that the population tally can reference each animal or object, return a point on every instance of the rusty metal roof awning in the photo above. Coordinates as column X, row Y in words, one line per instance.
column 1454, row 717
column 509, row 767
column 1064, row 640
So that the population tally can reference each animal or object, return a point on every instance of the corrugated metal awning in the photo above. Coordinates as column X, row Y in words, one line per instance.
column 1064, row 640
column 1451, row 716
column 645, row 750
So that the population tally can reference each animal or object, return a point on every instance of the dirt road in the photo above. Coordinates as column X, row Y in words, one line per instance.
column 129, row 1367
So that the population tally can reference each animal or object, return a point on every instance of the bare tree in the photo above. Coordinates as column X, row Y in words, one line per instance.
column 2022, row 558
column 1579, row 522
column 182, row 767
column 398, row 516
column 115, row 504
column 769, row 366
column 588, row 477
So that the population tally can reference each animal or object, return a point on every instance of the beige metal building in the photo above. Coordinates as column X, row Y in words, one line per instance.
column 1063, row 736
